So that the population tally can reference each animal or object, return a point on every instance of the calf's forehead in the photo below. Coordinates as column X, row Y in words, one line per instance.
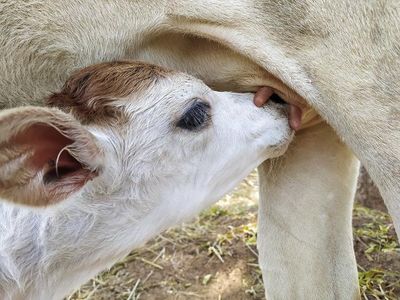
column 174, row 91
column 90, row 93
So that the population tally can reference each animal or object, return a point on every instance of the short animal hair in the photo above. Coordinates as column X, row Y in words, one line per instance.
column 89, row 92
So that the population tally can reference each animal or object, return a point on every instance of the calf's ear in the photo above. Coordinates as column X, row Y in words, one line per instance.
column 45, row 155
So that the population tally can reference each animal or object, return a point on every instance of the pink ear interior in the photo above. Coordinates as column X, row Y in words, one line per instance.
column 46, row 143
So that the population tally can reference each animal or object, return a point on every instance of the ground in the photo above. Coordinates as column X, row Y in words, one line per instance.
column 215, row 257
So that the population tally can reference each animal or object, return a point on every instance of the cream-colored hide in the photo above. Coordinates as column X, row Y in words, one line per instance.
column 339, row 57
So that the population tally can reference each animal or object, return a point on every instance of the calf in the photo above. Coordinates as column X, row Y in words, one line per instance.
column 128, row 150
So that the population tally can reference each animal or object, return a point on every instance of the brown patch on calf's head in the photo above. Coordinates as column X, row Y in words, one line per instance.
column 89, row 93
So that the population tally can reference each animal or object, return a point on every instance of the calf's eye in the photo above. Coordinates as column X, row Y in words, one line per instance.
column 196, row 116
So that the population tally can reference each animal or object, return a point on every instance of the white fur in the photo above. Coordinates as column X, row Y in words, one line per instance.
column 341, row 56
column 154, row 175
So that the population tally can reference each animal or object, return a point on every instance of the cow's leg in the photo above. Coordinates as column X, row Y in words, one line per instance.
column 305, row 232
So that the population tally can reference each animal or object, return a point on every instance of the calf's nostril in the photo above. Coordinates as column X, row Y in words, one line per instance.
column 276, row 99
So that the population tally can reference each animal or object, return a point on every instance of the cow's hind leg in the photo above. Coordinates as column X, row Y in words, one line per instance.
column 305, row 232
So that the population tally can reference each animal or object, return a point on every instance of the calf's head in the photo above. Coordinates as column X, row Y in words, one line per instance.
column 133, row 133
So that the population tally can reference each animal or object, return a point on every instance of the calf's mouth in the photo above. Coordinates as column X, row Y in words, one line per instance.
column 265, row 94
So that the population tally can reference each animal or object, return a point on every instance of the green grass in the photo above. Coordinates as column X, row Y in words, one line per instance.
column 377, row 248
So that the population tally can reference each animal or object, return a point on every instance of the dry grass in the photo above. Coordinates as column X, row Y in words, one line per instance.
column 215, row 257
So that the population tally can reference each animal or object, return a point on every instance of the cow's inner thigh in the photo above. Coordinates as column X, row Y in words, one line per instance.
column 305, row 233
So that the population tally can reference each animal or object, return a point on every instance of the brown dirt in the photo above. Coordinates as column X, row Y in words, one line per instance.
column 368, row 194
